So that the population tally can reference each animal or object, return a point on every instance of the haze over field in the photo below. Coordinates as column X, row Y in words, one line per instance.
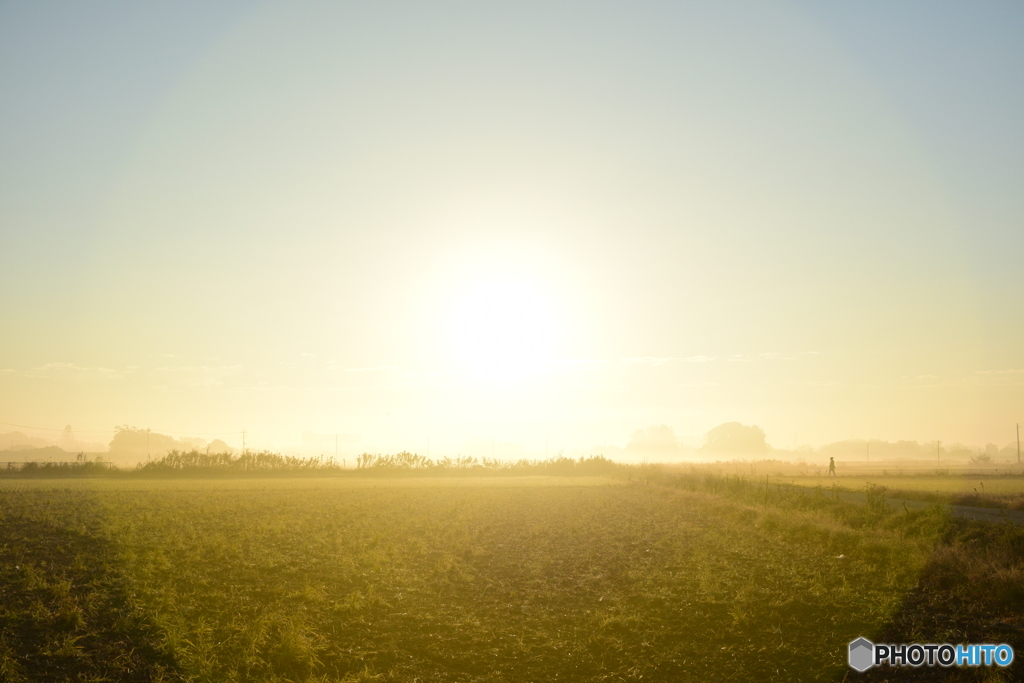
column 422, row 226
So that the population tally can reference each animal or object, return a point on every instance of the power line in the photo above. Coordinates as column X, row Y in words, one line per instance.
column 48, row 429
column 161, row 431
column 110, row 431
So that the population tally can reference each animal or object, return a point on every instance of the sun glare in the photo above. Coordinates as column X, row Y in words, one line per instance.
column 503, row 329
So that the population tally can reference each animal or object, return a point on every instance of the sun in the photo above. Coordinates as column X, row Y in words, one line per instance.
column 503, row 328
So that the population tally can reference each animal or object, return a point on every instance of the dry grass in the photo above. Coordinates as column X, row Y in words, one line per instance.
column 493, row 580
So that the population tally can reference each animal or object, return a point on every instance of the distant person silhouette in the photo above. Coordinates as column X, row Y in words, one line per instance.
column 832, row 467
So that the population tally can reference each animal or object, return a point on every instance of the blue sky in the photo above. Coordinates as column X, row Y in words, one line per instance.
column 271, row 215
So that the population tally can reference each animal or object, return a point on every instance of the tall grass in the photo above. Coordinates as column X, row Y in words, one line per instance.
column 250, row 461
column 195, row 463
column 559, row 466
column 31, row 470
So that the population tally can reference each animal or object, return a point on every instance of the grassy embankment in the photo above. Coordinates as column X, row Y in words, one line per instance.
column 498, row 579
column 992, row 491
column 993, row 485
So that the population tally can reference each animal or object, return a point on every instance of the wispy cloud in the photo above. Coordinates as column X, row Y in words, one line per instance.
column 58, row 370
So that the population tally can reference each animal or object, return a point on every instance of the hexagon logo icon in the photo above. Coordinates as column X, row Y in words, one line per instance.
column 862, row 654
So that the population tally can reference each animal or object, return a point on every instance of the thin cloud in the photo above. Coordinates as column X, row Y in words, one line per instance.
column 59, row 370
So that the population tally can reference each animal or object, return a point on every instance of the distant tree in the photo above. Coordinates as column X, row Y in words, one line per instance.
column 67, row 438
column 133, row 441
column 191, row 443
column 218, row 446
column 655, row 438
column 733, row 437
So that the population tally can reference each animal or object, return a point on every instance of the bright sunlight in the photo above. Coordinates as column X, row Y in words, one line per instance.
column 503, row 329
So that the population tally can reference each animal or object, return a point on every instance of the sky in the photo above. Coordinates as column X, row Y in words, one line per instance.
column 428, row 225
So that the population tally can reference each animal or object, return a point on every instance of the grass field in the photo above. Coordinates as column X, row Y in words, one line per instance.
column 508, row 579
